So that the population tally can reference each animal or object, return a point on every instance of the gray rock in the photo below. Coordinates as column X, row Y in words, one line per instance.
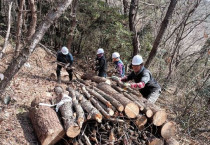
column 7, row 100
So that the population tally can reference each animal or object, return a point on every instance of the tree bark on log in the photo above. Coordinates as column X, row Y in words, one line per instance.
column 108, row 110
column 141, row 107
column 99, row 97
column 95, row 103
column 46, row 123
column 78, row 107
column 124, row 86
column 70, row 125
column 93, row 113
column 96, row 79
column 146, row 109
column 131, row 109
column 114, row 102
column 17, row 63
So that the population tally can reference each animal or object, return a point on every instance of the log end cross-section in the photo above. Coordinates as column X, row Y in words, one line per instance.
column 159, row 118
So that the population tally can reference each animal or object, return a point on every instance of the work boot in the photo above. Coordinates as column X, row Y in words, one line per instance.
column 59, row 79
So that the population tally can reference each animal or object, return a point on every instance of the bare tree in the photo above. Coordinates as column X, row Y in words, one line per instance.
column 73, row 23
column 132, row 20
column 19, row 26
column 160, row 34
column 32, row 27
column 17, row 63
column 125, row 7
column 8, row 31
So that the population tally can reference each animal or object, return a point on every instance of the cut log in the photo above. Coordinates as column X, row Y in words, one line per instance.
column 66, row 109
column 158, row 115
column 118, row 88
column 131, row 109
column 93, row 113
column 99, row 97
column 108, row 110
column 141, row 121
column 114, row 102
column 172, row 141
column 94, row 102
column 141, row 107
column 155, row 141
column 45, row 122
column 96, row 79
column 144, row 108
column 168, row 130
column 124, row 86
column 79, row 111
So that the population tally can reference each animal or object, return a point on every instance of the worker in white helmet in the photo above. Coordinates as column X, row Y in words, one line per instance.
column 144, row 81
column 65, row 60
column 119, row 66
column 101, row 65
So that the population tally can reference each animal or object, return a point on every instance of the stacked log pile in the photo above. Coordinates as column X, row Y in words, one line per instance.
column 108, row 112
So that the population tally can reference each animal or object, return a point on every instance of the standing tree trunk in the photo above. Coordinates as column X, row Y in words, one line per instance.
column 72, row 24
column 125, row 7
column 32, row 27
column 8, row 31
column 19, row 26
column 17, row 63
column 132, row 19
column 163, row 27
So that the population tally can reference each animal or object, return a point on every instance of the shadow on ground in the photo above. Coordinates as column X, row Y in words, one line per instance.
column 28, row 131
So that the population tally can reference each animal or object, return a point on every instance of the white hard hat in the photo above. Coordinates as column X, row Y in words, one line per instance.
column 65, row 50
column 100, row 50
column 137, row 60
column 115, row 55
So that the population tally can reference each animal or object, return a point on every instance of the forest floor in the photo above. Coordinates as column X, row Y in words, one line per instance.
column 35, row 80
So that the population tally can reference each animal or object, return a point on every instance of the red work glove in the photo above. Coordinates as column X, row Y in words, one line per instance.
column 123, row 79
column 138, row 85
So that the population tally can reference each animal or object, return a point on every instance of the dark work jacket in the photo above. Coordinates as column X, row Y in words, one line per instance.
column 150, row 83
column 101, row 65
column 65, row 58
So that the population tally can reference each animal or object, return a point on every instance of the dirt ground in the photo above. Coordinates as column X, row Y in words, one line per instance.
column 33, row 80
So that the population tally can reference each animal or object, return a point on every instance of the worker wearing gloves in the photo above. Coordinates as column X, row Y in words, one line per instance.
column 101, row 65
column 65, row 60
column 144, row 81
column 119, row 66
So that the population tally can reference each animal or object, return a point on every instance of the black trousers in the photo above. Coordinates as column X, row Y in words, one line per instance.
column 102, row 74
column 58, row 72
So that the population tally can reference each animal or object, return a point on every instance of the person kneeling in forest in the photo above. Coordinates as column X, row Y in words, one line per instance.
column 119, row 66
column 101, row 65
column 144, row 81
column 65, row 60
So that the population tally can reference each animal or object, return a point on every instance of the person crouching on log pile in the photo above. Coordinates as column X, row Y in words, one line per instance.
column 119, row 66
column 144, row 81
column 101, row 65
column 65, row 60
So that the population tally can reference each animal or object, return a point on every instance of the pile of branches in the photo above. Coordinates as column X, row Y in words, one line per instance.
column 96, row 110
